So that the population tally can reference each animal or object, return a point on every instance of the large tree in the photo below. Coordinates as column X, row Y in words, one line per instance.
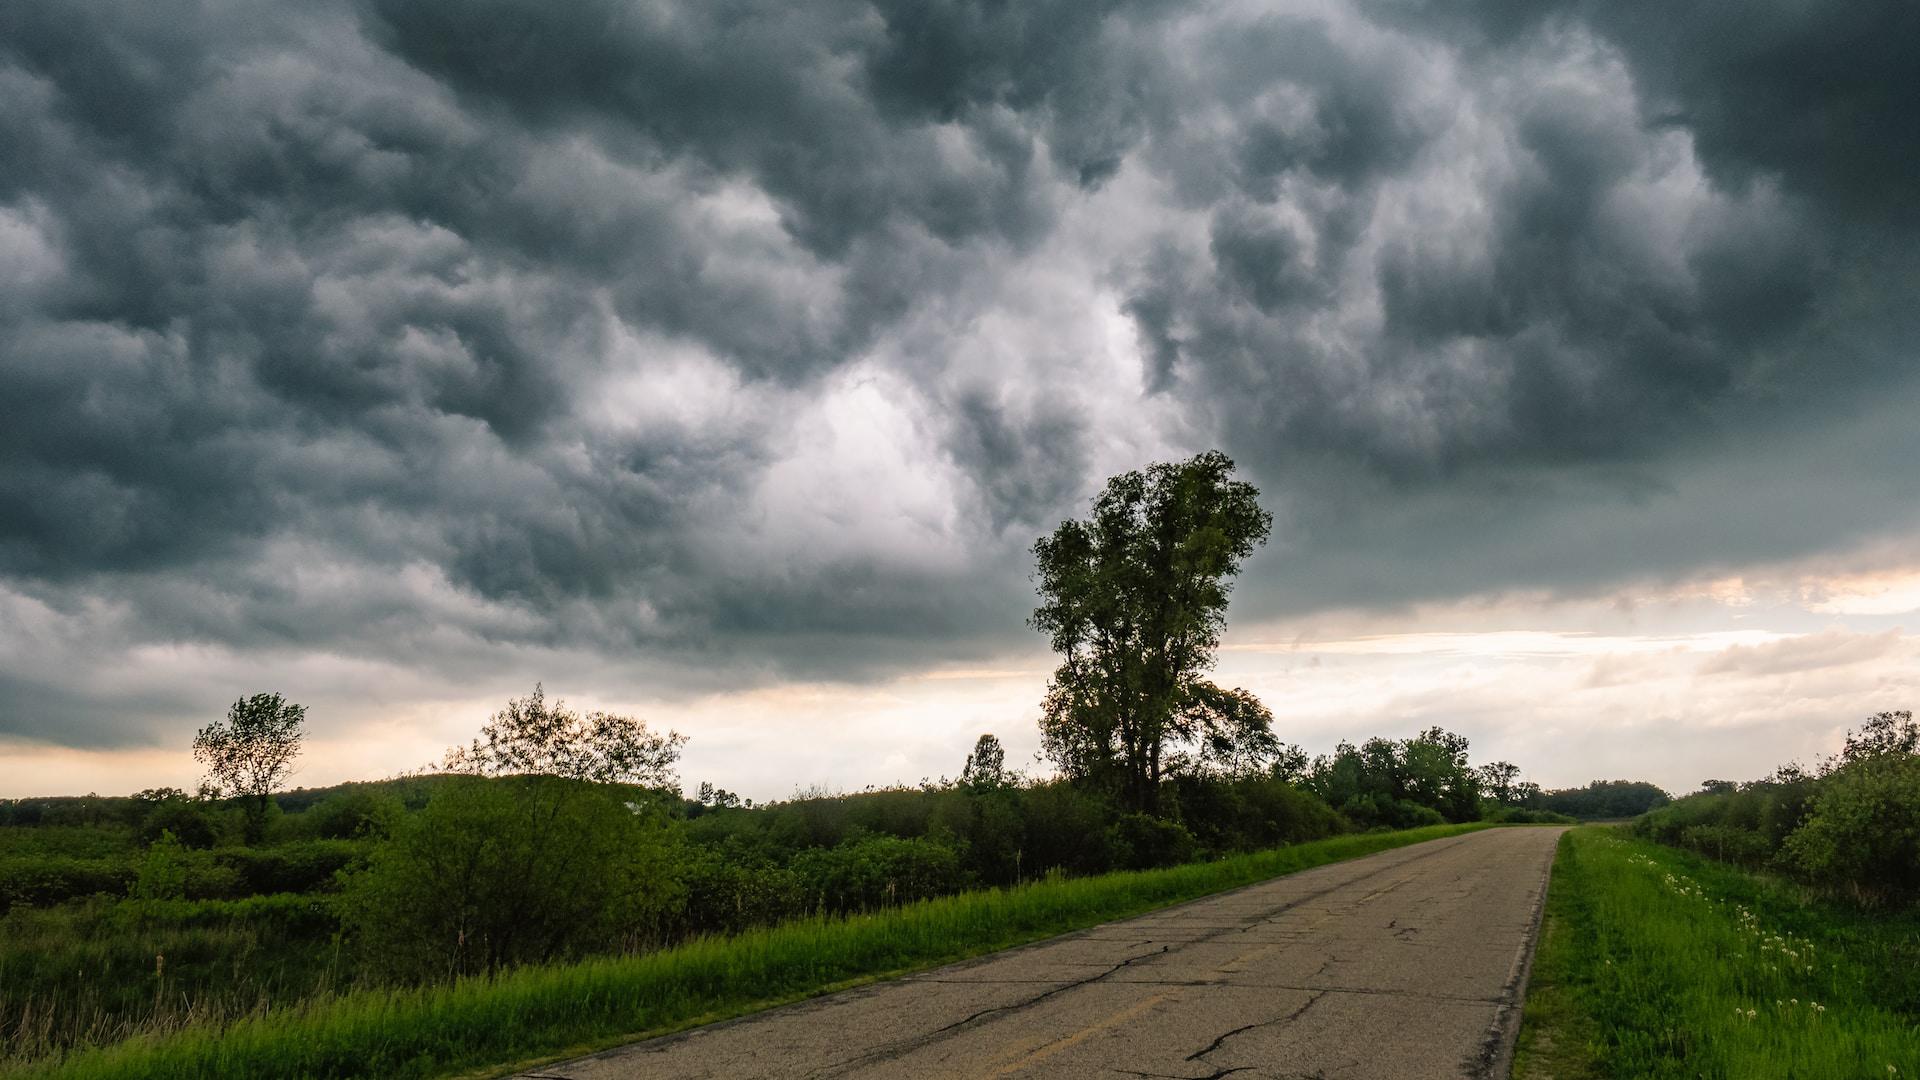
column 1134, row 599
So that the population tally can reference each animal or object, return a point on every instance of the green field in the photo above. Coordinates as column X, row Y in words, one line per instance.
column 1657, row 963
column 539, row 1013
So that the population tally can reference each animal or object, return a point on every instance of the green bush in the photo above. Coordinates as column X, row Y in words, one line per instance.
column 877, row 872
column 510, row 871
column 1728, row 843
column 1861, row 836
column 1376, row 811
column 301, row 866
column 1144, row 842
column 1518, row 815
column 1066, row 829
column 193, row 822
column 40, row 880
column 730, row 890
column 354, row 815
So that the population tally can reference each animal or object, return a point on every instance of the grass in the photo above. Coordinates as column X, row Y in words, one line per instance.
column 541, row 1013
column 101, row 970
column 1656, row 963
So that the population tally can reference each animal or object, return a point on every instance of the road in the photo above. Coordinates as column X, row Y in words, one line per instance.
column 1409, row 963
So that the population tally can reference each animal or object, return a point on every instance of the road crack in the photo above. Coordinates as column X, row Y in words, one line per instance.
column 1312, row 1000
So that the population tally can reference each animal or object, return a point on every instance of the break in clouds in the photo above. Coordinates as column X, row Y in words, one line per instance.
column 725, row 342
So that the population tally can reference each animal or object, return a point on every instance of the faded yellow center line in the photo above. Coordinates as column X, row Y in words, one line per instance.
column 1047, row 1050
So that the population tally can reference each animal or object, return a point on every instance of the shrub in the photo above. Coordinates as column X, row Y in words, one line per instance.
column 1862, row 832
column 193, row 822
column 733, row 890
column 1143, row 842
column 302, row 866
column 163, row 873
column 40, row 880
column 1373, row 811
column 516, row 870
column 355, row 815
column 1728, row 843
column 1516, row 815
column 877, row 871
column 1066, row 830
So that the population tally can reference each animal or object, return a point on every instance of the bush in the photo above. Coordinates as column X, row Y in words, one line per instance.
column 354, row 815
column 518, row 870
column 302, row 866
column 1381, row 812
column 877, row 871
column 1862, row 832
column 1066, row 830
column 40, row 880
column 730, row 890
column 1144, row 842
column 1728, row 843
column 1517, row 815
column 193, row 822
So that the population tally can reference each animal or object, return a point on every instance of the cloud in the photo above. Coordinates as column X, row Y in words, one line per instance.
column 1829, row 649
column 722, row 344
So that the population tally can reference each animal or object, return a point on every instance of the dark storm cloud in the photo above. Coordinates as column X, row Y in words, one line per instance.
column 417, row 330
column 1534, row 270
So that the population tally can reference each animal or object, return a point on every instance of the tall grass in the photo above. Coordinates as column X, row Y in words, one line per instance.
column 103, row 969
column 546, row 1011
column 1659, row 964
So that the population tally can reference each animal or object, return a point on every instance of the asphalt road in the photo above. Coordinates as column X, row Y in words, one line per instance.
column 1408, row 964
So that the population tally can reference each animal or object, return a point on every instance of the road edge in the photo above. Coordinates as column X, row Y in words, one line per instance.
column 1495, row 1061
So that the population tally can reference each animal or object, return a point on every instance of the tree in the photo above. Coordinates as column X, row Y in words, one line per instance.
column 251, row 752
column 532, row 738
column 1501, row 781
column 1400, row 782
column 986, row 766
column 1884, row 733
column 1134, row 599
column 718, row 798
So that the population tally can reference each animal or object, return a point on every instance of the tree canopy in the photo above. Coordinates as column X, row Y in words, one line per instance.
column 1134, row 599
column 531, row 737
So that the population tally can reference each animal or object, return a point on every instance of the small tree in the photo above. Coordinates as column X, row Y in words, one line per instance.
column 251, row 752
column 986, row 766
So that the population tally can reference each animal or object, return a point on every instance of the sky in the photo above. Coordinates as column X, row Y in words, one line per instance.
column 718, row 362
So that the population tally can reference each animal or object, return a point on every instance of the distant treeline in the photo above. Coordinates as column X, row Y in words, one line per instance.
column 1601, row 800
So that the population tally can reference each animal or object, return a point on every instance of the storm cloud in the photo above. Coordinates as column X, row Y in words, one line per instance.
column 721, row 343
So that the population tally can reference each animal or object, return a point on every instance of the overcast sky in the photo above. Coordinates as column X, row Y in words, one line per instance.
column 718, row 361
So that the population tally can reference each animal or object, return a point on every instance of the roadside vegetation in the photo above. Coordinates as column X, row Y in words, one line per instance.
column 1656, row 962
column 531, row 1013
column 1848, row 827
column 1767, row 928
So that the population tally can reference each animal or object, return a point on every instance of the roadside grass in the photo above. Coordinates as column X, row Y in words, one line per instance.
column 1657, row 963
column 542, row 1013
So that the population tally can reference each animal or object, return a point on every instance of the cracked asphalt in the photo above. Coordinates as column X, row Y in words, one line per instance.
column 1406, row 964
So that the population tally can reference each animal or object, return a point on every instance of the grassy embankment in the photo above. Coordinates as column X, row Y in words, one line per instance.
column 1657, row 963
column 543, row 1012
